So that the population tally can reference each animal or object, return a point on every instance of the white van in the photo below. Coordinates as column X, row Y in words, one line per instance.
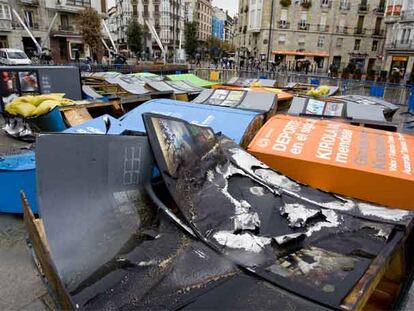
column 14, row 57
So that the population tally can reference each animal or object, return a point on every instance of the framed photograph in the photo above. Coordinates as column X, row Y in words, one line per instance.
column 28, row 82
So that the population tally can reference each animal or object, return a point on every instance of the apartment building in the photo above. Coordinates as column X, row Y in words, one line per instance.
column 217, row 23
column 12, row 33
column 399, row 45
column 64, row 37
column 322, row 31
column 229, row 28
column 200, row 11
column 167, row 16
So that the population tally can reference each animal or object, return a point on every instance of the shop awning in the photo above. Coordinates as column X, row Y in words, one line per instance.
column 295, row 53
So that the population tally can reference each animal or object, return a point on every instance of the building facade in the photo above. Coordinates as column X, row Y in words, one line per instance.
column 399, row 45
column 64, row 36
column 12, row 33
column 218, row 21
column 167, row 17
column 323, row 32
column 229, row 28
column 201, row 12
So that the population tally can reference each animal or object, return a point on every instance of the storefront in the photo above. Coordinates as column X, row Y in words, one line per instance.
column 4, row 42
column 399, row 63
column 358, row 59
column 65, row 48
column 318, row 60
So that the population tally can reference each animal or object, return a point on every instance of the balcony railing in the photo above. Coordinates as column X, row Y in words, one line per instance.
column 303, row 26
column 342, row 29
column 78, row 2
column 284, row 25
column 363, row 8
column 66, row 28
column 323, row 28
column 5, row 25
column 379, row 32
column 345, row 6
column 397, row 44
column 30, row 2
column 407, row 15
column 360, row 31
column 17, row 25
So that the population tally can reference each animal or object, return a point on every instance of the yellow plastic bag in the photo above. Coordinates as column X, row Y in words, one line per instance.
column 37, row 100
column 45, row 107
column 23, row 109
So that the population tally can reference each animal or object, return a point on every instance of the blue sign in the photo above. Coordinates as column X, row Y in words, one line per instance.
column 231, row 122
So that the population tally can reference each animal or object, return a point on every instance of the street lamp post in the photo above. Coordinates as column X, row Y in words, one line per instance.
column 270, row 35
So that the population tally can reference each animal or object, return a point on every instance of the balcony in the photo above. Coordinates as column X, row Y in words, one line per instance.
column 326, row 4
column 303, row 26
column 398, row 45
column 380, row 10
column 360, row 31
column 30, row 2
column 407, row 16
column 284, row 25
column 379, row 32
column 363, row 8
column 66, row 28
column 342, row 29
column 83, row 3
column 345, row 6
column 17, row 25
column 323, row 28
column 5, row 25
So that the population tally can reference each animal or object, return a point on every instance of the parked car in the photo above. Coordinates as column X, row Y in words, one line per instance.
column 14, row 57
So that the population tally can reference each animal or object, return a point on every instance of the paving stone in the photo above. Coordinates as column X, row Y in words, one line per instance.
column 20, row 283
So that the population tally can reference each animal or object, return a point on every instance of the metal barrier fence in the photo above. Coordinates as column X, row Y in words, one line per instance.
column 125, row 68
column 398, row 94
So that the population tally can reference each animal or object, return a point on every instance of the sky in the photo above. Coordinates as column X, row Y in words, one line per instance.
column 231, row 5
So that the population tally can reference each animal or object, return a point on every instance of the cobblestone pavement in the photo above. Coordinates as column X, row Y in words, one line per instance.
column 21, row 287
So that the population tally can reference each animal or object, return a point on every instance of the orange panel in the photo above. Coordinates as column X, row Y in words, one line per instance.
column 367, row 164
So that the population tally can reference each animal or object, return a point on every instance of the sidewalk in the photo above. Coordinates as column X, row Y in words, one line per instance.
column 21, row 287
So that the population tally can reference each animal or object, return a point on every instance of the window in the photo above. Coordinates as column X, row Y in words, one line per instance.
column 374, row 45
column 4, row 11
column 407, row 39
column 282, row 38
column 339, row 42
column 283, row 15
column 403, row 35
column 323, row 19
column 342, row 21
column 301, row 41
column 28, row 18
column 344, row 4
column 357, row 44
column 64, row 21
column 321, row 41
column 325, row 2
column 303, row 17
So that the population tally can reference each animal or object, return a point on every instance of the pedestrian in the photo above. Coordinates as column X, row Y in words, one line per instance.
column 77, row 56
column 307, row 65
column 198, row 59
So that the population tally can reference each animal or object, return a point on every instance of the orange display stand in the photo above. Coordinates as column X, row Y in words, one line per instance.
column 367, row 164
